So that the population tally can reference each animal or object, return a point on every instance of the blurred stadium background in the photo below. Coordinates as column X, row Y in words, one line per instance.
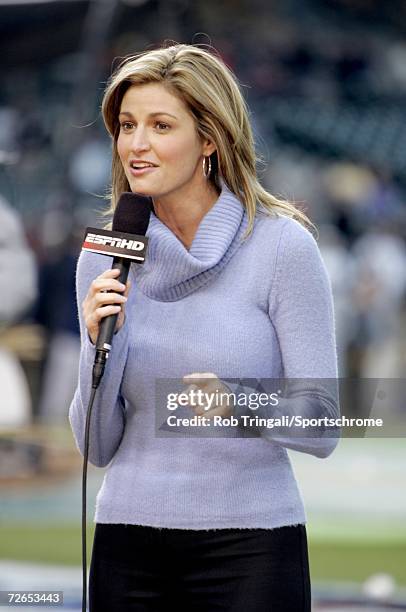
column 326, row 84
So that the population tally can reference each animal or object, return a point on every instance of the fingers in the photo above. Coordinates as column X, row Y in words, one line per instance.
column 205, row 381
column 209, row 390
column 101, row 298
column 107, row 282
column 222, row 411
column 106, row 289
column 105, row 311
column 202, row 379
column 106, row 296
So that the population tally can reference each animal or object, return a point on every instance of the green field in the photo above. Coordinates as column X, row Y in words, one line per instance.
column 342, row 560
column 59, row 545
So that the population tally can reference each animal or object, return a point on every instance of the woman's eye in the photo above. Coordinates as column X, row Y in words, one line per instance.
column 162, row 126
column 127, row 125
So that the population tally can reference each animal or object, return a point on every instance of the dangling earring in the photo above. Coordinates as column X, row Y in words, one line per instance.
column 206, row 170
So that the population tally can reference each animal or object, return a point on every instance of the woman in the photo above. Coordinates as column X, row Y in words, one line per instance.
column 233, row 288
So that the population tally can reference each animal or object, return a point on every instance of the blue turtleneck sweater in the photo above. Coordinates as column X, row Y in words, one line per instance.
column 258, row 308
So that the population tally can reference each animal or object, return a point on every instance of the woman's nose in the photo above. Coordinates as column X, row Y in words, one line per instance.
column 140, row 141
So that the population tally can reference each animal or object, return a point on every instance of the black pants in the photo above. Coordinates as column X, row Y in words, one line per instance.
column 145, row 569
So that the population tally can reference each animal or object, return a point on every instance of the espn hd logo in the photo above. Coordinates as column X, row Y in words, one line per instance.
column 114, row 244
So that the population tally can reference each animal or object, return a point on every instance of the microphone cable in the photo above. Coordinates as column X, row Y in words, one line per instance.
column 98, row 371
column 84, row 500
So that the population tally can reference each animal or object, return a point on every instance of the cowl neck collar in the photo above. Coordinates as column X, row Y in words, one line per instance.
column 170, row 271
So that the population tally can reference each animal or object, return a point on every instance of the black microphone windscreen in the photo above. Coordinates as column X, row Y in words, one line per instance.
column 132, row 213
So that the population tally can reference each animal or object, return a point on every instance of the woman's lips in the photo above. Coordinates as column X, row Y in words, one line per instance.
column 141, row 171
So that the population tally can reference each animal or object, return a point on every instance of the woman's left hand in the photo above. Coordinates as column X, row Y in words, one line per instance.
column 209, row 398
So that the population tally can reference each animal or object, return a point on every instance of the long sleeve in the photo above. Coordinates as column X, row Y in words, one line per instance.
column 108, row 415
column 301, row 310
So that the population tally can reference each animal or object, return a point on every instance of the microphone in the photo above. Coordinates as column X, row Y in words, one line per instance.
column 125, row 243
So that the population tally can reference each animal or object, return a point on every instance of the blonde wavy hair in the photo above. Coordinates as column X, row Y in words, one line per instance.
column 212, row 94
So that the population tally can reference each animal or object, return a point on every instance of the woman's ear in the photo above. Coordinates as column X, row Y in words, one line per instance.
column 208, row 148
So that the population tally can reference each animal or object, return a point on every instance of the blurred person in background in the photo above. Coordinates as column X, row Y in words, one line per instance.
column 56, row 312
column 233, row 287
column 379, row 298
column 18, row 280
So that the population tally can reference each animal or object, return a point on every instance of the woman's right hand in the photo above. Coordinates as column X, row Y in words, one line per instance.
column 106, row 296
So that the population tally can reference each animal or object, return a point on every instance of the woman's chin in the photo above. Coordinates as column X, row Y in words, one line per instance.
column 139, row 190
